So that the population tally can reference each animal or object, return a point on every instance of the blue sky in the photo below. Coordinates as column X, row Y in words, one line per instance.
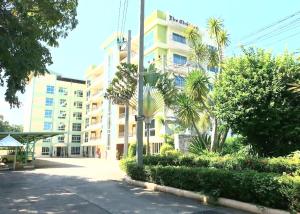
column 98, row 19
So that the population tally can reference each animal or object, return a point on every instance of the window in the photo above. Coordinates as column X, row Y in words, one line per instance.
column 212, row 69
column 61, row 127
column 78, row 93
column 77, row 115
column 178, row 38
column 61, row 139
column 47, row 140
column 88, row 94
column 179, row 81
column 149, row 40
column 76, row 127
column 75, row 150
column 62, row 91
column 45, row 150
column 78, row 104
column 151, row 128
column 63, row 102
column 50, row 89
column 86, row 137
column 178, row 59
column 76, row 138
column 49, row 101
column 148, row 59
column 86, row 122
column 48, row 113
column 62, row 115
column 47, row 126
column 87, row 108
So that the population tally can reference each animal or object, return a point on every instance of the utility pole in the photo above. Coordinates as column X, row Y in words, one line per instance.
column 140, row 116
column 127, row 103
column 165, row 107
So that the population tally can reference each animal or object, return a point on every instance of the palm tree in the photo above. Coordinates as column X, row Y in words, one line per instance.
column 153, row 104
column 221, row 38
column 295, row 87
column 187, row 111
column 121, row 90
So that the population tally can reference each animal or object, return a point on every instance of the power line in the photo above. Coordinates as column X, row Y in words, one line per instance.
column 276, row 32
column 118, row 19
column 271, row 25
column 125, row 4
column 282, row 39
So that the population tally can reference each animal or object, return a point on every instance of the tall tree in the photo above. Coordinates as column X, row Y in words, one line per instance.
column 221, row 38
column 253, row 96
column 27, row 29
column 121, row 90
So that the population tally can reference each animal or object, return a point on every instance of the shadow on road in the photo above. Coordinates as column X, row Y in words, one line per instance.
column 42, row 163
column 32, row 192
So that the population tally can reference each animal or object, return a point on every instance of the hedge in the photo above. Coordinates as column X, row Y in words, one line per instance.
column 276, row 165
column 266, row 189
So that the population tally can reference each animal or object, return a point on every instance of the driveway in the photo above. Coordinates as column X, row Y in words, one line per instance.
column 70, row 185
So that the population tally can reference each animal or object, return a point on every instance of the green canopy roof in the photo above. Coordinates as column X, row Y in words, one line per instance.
column 27, row 137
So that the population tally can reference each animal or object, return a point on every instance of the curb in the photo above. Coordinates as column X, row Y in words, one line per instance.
column 206, row 199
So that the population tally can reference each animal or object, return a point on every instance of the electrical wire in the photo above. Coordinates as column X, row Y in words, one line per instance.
column 118, row 19
column 270, row 26
column 276, row 32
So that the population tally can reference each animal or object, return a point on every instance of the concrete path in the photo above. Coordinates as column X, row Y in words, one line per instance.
column 86, row 186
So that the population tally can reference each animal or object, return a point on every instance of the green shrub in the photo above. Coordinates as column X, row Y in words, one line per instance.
column 132, row 149
column 199, row 143
column 267, row 189
column 233, row 145
column 164, row 148
column 277, row 165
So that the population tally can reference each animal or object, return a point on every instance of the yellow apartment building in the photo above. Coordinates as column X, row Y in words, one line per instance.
column 56, row 103
column 164, row 45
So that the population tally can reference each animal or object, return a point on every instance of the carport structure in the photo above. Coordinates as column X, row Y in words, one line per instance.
column 29, row 139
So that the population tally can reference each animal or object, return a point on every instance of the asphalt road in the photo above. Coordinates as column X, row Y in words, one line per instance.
column 86, row 186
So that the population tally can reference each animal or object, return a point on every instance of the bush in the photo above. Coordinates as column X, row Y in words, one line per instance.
column 267, row 189
column 280, row 165
column 132, row 149
column 164, row 148
column 199, row 144
column 233, row 145
column 252, row 96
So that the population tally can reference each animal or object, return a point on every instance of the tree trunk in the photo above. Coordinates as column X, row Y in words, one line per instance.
column 126, row 134
column 223, row 138
column 214, row 134
column 148, row 140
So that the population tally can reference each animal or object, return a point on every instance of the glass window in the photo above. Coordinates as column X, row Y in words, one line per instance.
column 45, row 150
column 75, row 150
column 62, row 91
column 77, row 115
column 49, row 101
column 76, row 127
column 78, row 93
column 78, row 104
column 151, row 128
column 50, row 89
column 179, row 81
column 48, row 113
column 76, row 138
column 178, row 59
column 63, row 102
column 86, row 137
column 148, row 40
column 62, row 115
column 148, row 59
column 178, row 38
column 61, row 127
column 47, row 126
column 212, row 69
column 61, row 139
column 47, row 140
